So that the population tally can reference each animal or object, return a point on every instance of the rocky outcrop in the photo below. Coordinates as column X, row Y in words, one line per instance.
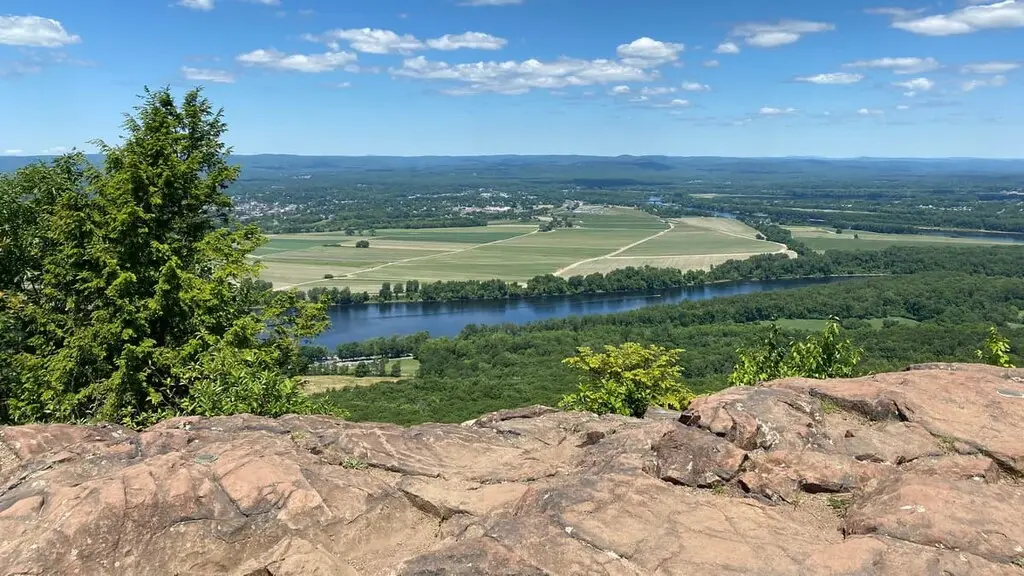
column 917, row 472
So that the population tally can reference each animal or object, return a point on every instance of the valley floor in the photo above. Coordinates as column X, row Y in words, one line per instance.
column 604, row 239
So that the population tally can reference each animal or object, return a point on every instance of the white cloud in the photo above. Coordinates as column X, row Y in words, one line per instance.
column 695, row 87
column 490, row 2
column 12, row 152
column 471, row 40
column 870, row 112
column 727, row 48
column 967, row 20
column 518, row 77
column 647, row 52
column 903, row 65
column 710, row 63
column 675, row 103
column 369, row 40
column 769, row 111
column 832, row 78
column 205, row 5
column 989, row 68
column 378, row 41
column 639, row 99
column 993, row 82
column 207, row 75
column 896, row 13
column 916, row 85
column 764, row 35
column 56, row 151
column 657, row 90
column 311, row 63
column 903, row 107
column 620, row 89
column 34, row 31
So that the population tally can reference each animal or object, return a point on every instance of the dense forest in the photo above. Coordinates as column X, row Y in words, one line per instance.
column 931, row 317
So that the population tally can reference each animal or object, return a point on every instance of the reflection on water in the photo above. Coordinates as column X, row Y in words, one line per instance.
column 354, row 323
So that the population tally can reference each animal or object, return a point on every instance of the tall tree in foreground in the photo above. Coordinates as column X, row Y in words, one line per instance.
column 627, row 380
column 125, row 291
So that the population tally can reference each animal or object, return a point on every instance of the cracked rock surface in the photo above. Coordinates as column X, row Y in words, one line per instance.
column 916, row 472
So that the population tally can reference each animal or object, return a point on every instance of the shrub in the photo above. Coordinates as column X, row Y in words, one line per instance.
column 627, row 380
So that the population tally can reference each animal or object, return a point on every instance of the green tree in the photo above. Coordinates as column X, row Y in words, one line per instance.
column 385, row 294
column 762, row 362
column 396, row 369
column 362, row 370
column 819, row 356
column 126, row 294
column 995, row 350
column 822, row 356
column 362, row 244
column 627, row 380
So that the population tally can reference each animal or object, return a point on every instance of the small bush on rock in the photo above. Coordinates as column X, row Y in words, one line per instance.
column 627, row 380
column 819, row 356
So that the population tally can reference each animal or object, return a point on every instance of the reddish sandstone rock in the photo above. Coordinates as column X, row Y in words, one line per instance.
column 957, row 403
column 909, row 473
column 757, row 417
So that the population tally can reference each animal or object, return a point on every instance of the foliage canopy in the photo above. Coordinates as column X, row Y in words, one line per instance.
column 995, row 350
column 627, row 380
column 125, row 291
column 819, row 356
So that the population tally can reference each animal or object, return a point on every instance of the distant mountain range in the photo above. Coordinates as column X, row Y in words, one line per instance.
column 667, row 167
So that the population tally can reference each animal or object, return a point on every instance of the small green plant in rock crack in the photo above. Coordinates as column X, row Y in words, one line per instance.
column 830, row 407
column 354, row 464
column 840, row 505
column 947, row 444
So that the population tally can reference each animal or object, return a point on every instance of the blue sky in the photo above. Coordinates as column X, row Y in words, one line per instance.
column 412, row 77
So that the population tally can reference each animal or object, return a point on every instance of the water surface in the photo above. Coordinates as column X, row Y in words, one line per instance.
column 355, row 323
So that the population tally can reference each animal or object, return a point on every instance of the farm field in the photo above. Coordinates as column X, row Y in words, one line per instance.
column 604, row 239
column 691, row 243
column 820, row 239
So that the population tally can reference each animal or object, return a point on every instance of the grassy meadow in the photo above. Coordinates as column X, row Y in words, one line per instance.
column 817, row 238
column 317, row 384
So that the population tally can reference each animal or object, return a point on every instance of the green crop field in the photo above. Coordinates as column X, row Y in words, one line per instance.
column 826, row 239
column 603, row 240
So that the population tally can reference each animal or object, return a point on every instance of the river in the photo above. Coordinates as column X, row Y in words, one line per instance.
column 355, row 323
